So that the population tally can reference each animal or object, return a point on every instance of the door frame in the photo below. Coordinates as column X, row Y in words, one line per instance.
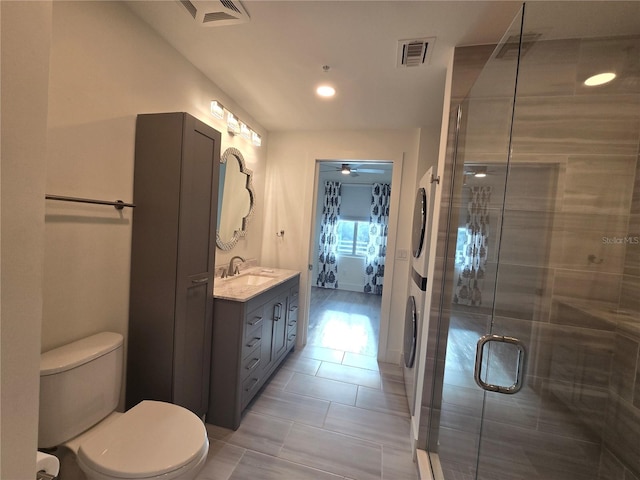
column 394, row 212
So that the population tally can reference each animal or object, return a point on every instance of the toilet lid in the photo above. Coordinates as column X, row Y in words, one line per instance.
column 150, row 439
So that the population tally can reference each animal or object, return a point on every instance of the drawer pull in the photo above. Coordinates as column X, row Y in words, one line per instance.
column 253, row 342
column 292, row 336
column 253, row 384
column 255, row 321
column 254, row 363
column 293, row 308
column 292, row 323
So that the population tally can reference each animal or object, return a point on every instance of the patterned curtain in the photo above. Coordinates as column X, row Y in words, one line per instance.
column 327, row 258
column 378, row 231
column 471, row 253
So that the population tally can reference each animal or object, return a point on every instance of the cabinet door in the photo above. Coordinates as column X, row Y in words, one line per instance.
column 272, row 333
column 279, row 327
column 196, row 250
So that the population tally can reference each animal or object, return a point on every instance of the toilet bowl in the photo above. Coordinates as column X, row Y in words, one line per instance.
column 153, row 440
column 79, row 391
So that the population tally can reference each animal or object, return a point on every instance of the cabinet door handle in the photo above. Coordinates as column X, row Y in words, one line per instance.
column 256, row 321
column 277, row 316
column 200, row 280
column 254, row 363
column 254, row 341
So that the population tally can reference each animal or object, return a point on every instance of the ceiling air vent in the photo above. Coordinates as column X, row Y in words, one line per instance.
column 214, row 13
column 415, row 52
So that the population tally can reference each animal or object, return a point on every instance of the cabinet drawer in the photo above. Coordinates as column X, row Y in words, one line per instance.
column 250, row 387
column 251, row 343
column 251, row 363
column 292, row 325
column 253, row 322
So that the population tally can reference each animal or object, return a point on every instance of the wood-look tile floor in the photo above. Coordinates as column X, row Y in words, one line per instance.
column 328, row 413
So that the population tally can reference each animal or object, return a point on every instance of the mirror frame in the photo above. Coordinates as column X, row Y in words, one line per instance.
column 237, row 234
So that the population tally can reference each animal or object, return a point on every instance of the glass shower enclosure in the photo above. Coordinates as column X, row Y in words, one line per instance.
column 533, row 356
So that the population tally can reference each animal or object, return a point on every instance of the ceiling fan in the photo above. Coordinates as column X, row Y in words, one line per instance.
column 354, row 171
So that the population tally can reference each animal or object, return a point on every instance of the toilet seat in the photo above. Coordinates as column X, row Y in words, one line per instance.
column 152, row 440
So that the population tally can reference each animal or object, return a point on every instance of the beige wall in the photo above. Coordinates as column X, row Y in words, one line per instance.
column 289, row 188
column 103, row 73
column 26, row 30
column 72, row 133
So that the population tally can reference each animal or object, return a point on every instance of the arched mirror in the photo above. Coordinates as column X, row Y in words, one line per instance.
column 236, row 199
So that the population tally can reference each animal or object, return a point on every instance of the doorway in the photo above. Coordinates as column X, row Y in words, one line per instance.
column 348, row 259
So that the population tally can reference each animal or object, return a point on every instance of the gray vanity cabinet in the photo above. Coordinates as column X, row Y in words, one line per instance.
column 250, row 340
column 177, row 160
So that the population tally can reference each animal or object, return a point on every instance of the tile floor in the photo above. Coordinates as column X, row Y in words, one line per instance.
column 327, row 413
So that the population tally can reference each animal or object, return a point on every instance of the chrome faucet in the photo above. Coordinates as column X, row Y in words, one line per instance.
column 230, row 270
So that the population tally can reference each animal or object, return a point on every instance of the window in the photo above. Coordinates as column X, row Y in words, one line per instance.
column 353, row 237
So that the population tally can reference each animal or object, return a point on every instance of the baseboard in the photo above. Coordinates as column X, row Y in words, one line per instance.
column 429, row 465
column 424, row 467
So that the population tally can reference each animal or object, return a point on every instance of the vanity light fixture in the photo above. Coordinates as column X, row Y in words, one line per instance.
column 245, row 131
column 234, row 125
column 217, row 109
column 599, row 79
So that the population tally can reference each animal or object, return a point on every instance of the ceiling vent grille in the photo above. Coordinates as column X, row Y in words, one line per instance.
column 214, row 13
column 415, row 52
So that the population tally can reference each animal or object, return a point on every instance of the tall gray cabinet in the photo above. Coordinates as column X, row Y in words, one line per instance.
column 177, row 159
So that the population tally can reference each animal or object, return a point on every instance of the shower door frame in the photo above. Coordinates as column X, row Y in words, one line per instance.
column 440, row 330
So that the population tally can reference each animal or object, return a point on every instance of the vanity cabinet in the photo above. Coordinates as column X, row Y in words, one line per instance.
column 173, row 245
column 250, row 340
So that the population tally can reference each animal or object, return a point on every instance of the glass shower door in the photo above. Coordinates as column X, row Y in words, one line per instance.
column 482, row 147
column 538, row 349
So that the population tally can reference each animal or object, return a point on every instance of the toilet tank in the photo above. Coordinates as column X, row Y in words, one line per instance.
column 79, row 386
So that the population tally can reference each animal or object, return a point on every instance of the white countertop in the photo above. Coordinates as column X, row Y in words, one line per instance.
column 232, row 288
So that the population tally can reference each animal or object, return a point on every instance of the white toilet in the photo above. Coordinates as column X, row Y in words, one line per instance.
column 79, row 392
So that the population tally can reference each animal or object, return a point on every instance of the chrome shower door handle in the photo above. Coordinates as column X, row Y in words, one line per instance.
column 520, row 365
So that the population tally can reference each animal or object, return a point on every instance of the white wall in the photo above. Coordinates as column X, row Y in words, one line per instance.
column 106, row 67
column 289, row 198
column 26, row 31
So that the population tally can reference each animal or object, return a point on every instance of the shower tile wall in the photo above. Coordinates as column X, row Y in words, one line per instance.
column 585, row 358
column 569, row 272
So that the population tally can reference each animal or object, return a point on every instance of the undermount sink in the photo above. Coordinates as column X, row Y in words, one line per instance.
column 249, row 279
column 249, row 283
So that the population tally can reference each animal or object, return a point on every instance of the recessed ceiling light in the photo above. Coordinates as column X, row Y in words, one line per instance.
column 326, row 91
column 599, row 79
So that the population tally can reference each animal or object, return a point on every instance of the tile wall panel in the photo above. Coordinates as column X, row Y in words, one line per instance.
column 565, row 283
